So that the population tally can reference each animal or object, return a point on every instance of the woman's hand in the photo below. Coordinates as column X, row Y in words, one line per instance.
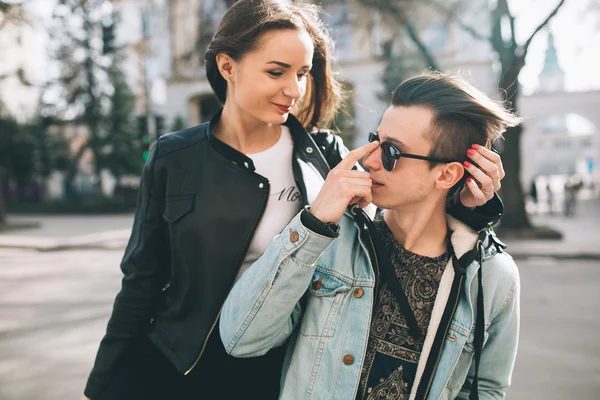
column 343, row 187
column 485, row 180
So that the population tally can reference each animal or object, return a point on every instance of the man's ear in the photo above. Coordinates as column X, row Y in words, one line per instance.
column 225, row 64
column 449, row 175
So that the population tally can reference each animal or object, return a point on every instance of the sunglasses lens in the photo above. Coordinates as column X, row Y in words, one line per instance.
column 387, row 156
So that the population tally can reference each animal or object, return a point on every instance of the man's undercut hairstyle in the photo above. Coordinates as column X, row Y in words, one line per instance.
column 462, row 114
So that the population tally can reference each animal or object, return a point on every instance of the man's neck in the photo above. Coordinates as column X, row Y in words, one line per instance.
column 421, row 229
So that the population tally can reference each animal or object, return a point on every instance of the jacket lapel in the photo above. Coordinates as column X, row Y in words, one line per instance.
column 463, row 239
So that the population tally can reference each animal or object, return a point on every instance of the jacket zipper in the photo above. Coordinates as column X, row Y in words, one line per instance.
column 295, row 171
column 212, row 328
column 262, row 211
column 439, row 355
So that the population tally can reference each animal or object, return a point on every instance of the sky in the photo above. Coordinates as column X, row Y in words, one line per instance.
column 576, row 30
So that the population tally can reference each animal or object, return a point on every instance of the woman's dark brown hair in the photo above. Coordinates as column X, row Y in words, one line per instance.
column 239, row 32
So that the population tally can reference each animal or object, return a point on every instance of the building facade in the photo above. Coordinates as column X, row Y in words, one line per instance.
column 561, row 138
column 360, row 36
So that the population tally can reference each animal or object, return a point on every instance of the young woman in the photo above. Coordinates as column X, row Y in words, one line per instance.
column 212, row 197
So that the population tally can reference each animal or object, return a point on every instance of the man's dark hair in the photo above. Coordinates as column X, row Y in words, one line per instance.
column 463, row 114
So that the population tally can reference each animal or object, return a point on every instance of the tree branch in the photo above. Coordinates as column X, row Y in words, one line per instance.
column 503, row 9
column 394, row 8
column 12, row 13
column 450, row 13
column 425, row 53
column 525, row 47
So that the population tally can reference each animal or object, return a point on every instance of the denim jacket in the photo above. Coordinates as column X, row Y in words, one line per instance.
column 303, row 292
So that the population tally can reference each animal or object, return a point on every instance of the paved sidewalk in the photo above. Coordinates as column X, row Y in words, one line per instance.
column 581, row 235
column 60, row 232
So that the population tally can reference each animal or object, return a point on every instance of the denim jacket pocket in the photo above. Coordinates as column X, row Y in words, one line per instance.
column 325, row 294
column 176, row 207
column 463, row 364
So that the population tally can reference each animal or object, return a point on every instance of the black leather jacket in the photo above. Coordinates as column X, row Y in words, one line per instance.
column 199, row 204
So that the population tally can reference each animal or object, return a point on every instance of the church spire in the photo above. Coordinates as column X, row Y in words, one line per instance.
column 551, row 64
column 552, row 78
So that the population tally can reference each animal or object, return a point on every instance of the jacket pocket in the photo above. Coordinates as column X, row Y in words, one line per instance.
column 176, row 207
column 466, row 358
column 324, row 297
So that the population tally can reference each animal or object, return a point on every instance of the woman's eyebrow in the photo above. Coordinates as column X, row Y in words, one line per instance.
column 281, row 64
column 284, row 65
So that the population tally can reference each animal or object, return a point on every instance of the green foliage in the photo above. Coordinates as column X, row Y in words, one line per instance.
column 93, row 89
column 17, row 149
column 119, row 145
column 178, row 124
column 27, row 150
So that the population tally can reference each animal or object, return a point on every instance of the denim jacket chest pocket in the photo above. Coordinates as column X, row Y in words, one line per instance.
column 176, row 207
column 322, row 313
column 465, row 338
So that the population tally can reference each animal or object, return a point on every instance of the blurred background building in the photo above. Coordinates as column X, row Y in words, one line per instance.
column 160, row 46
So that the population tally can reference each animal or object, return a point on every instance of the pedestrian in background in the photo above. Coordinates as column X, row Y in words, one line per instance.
column 550, row 198
column 211, row 199
column 534, row 195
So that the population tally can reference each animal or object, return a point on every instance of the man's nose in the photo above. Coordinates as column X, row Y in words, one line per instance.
column 373, row 160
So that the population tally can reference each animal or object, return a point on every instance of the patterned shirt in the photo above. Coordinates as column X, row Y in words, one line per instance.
column 392, row 354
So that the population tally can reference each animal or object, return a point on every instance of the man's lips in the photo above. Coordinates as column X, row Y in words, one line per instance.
column 282, row 108
column 375, row 183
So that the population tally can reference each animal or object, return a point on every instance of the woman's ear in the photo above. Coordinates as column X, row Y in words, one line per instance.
column 225, row 65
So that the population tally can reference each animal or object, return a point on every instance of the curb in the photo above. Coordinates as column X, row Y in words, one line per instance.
column 558, row 256
column 104, row 240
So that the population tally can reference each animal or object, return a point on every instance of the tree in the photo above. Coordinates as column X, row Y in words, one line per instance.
column 17, row 149
column 178, row 124
column 13, row 14
column 81, row 88
column 119, row 145
column 94, row 88
column 512, row 57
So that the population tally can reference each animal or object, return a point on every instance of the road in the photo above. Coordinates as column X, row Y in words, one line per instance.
column 70, row 225
column 54, row 308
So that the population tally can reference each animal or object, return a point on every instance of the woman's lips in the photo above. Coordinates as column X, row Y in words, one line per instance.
column 283, row 109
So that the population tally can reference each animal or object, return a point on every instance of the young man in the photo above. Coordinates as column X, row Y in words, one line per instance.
column 413, row 305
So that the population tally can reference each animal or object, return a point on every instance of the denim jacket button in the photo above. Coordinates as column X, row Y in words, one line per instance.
column 316, row 285
column 348, row 359
column 358, row 293
column 294, row 236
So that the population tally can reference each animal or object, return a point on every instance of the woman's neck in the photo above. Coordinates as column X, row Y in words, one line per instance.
column 245, row 133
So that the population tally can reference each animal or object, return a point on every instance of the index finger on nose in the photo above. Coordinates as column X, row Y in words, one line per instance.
column 355, row 155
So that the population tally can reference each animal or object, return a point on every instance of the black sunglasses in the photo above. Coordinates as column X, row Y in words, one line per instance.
column 390, row 154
